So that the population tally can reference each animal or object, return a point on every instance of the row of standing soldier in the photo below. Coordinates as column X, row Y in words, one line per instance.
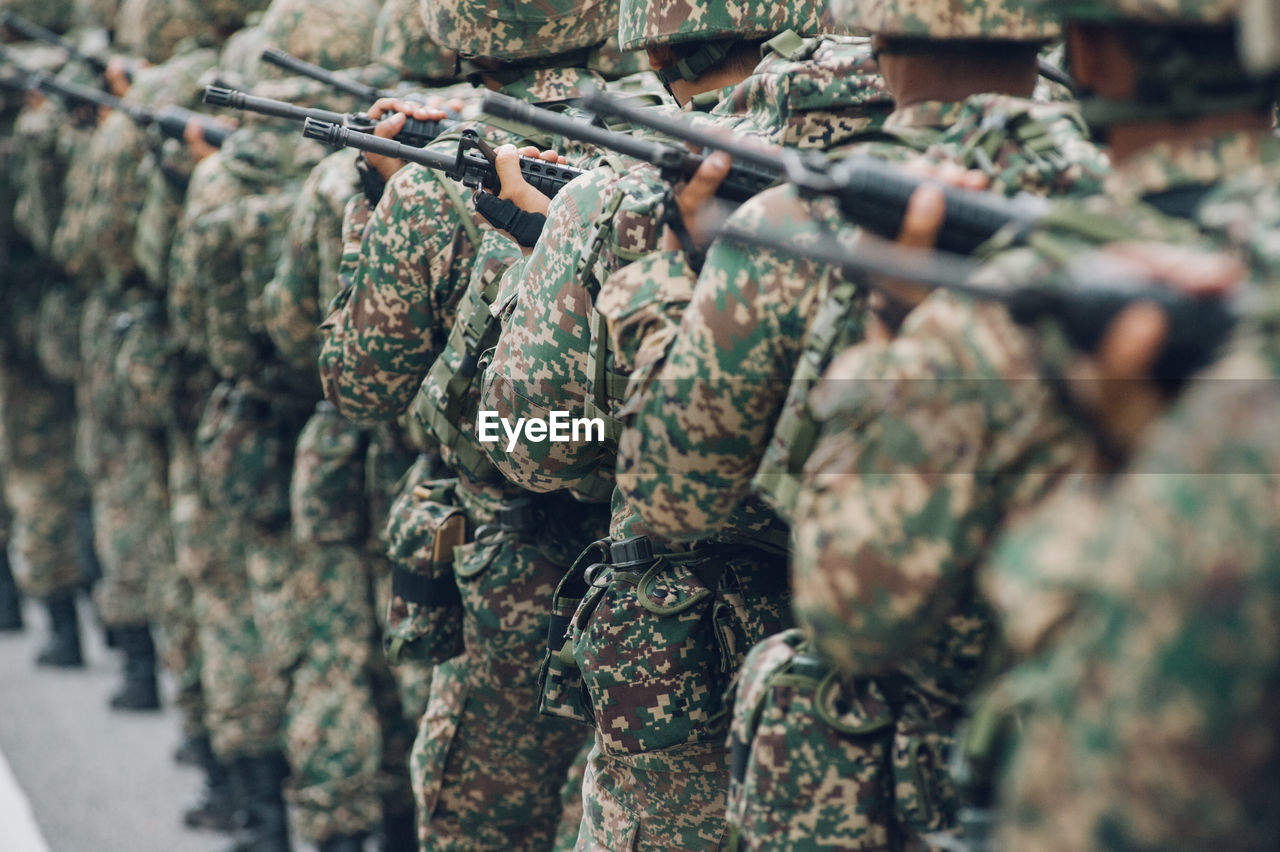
column 833, row 521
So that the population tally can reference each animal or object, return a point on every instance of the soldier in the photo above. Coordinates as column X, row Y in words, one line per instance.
column 806, row 736
column 649, row 669
column 486, row 769
column 43, row 485
column 1145, row 601
column 346, row 733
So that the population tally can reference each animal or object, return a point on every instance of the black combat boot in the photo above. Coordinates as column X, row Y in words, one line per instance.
column 267, row 820
column 399, row 832
column 343, row 843
column 139, row 691
column 63, row 648
column 10, row 597
column 216, row 810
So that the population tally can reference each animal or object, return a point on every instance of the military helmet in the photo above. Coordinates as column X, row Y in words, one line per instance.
column 400, row 40
column 514, row 30
column 1004, row 20
column 650, row 23
column 331, row 33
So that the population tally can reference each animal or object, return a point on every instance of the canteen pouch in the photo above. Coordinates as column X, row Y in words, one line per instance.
column 328, row 480
column 650, row 654
column 560, row 686
column 801, row 735
column 424, row 617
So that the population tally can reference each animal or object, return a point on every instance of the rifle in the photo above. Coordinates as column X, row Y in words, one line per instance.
column 871, row 193
column 171, row 120
column 303, row 68
column 1082, row 307
column 415, row 133
column 35, row 32
column 472, row 166
column 676, row 163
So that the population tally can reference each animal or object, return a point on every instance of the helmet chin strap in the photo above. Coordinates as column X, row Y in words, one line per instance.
column 693, row 66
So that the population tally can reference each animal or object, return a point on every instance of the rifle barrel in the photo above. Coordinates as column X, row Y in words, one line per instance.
column 301, row 67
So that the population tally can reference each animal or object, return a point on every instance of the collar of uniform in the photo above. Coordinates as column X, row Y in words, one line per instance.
column 924, row 114
column 541, row 85
column 1172, row 165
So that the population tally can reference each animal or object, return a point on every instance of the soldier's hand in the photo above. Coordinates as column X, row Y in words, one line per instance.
column 390, row 113
column 193, row 135
column 515, row 188
column 921, row 224
column 1114, row 384
column 118, row 76
column 695, row 200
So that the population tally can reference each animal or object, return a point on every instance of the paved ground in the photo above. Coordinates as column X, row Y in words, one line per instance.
column 95, row 781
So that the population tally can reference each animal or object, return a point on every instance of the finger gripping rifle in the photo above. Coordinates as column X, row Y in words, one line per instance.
column 171, row 120
column 675, row 162
column 871, row 193
column 1082, row 306
column 415, row 133
column 302, row 68
column 472, row 166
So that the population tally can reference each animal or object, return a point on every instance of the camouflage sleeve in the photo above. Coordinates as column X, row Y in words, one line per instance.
column 926, row 443
column 701, row 426
column 540, row 362
column 387, row 329
column 1152, row 724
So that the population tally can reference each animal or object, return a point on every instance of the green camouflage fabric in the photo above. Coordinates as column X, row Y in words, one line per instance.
column 647, row 662
column 514, row 30
column 153, row 29
column 57, row 16
column 1145, row 686
column 648, row 23
column 400, row 41
column 1007, row 20
column 98, row 14
column 689, row 469
column 334, row 34
column 824, row 762
column 415, row 263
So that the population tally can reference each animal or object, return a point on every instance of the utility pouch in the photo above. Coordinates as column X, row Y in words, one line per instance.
column 560, row 679
column 328, row 477
column 246, row 456
column 424, row 617
column 924, row 794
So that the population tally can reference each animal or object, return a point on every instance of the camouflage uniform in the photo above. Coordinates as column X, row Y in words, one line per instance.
column 1142, row 603
column 757, row 320
column 479, row 785
column 656, row 703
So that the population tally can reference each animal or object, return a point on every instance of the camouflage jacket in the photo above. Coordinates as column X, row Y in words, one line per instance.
column 689, row 466
column 555, row 353
column 1147, row 603
column 415, row 263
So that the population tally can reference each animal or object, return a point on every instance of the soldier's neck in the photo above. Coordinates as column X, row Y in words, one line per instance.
column 1126, row 140
column 915, row 79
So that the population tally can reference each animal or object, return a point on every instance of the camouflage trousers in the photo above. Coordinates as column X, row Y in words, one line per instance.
column 655, row 643
column 174, row 587
column 131, row 524
column 42, row 486
column 245, row 457
column 828, row 763
column 487, row 768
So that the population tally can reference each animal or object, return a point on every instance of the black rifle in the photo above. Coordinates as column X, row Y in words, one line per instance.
column 675, row 162
column 303, row 68
column 171, row 120
column 1083, row 306
column 35, row 32
column 415, row 133
column 472, row 165
column 872, row 193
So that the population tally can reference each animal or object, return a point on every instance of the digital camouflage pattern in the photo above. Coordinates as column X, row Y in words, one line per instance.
column 648, row 23
column 1009, row 20
column 333, row 34
column 653, row 666
column 514, row 30
column 1172, row 12
column 400, row 41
